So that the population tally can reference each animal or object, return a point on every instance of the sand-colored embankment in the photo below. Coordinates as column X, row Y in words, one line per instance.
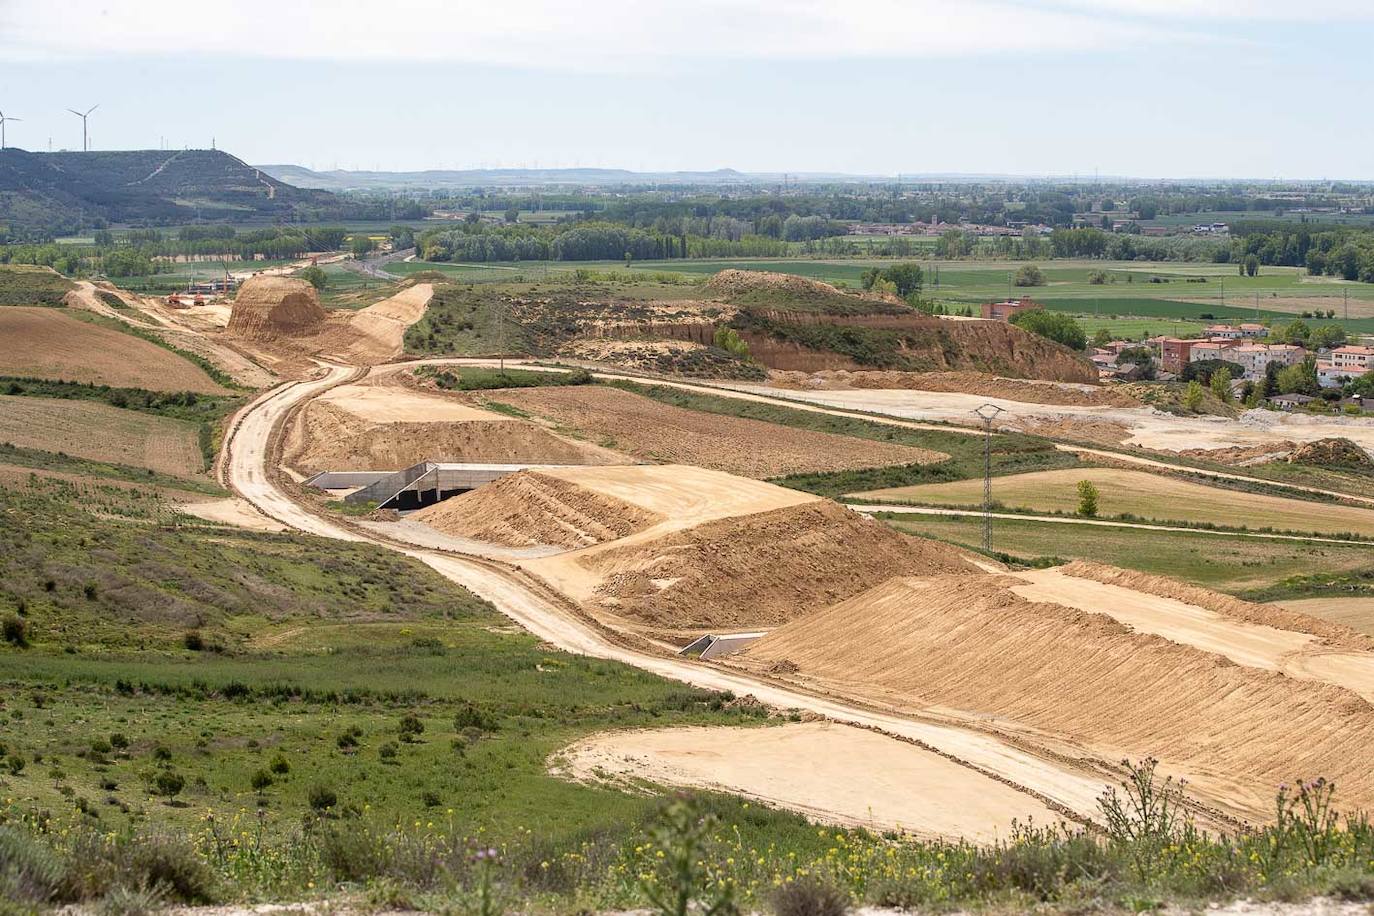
column 1067, row 679
column 268, row 308
column 730, row 551
column 377, row 333
column 1293, row 651
column 831, row 773
column 375, row 427
column 282, row 319
column 530, row 508
column 1270, row 615
column 1355, row 613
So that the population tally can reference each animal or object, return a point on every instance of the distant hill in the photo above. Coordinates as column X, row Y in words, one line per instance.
column 341, row 180
column 58, row 191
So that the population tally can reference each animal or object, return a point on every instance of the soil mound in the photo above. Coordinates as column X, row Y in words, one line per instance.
column 269, row 307
column 1335, row 451
column 759, row 569
column 528, row 508
column 1272, row 615
column 329, row 437
column 1062, row 677
column 1241, row 456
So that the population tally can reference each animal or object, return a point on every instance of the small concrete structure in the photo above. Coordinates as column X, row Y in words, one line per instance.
column 712, row 646
column 419, row 485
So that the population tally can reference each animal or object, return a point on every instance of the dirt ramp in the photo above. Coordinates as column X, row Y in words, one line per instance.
column 759, row 569
column 376, row 334
column 528, row 508
column 1065, row 678
column 1270, row 615
column 267, row 308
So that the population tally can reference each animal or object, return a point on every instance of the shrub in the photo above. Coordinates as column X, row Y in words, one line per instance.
column 315, row 276
column 16, row 631
column 169, row 783
column 388, row 750
column 262, row 780
column 29, row 871
column 321, row 797
column 194, row 641
column 279, row 765
column 1029, row 275
column 118, row 740
column 679, row 882
column 169, row 861
column 90, row 590
column 1056, row 326
column 809, row 896
column 1087, row 498
column 161, row 753
column 469, row 716
column 15, row 764
column 410, row 727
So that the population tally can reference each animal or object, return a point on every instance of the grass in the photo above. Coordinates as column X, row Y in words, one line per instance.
column 476, row 378
column 39, row 460
column 1231, row 563
column 24, row 285
column 1145, row 496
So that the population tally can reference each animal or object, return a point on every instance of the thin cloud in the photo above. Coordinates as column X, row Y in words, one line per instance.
column 607, row 35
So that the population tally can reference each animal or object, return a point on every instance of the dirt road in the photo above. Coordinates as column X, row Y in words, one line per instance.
column 1067, row 786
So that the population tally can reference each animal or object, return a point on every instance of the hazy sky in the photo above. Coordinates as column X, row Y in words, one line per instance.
column 1265, row 88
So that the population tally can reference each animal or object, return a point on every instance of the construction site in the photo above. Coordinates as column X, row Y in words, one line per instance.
column 708, row 530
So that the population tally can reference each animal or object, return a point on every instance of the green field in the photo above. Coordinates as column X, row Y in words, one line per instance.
column 1236, row 564
column 1276, row 294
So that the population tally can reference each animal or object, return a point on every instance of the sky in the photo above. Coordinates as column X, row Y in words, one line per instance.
column 1145, row 88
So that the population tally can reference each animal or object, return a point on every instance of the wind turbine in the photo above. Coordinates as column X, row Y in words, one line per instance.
column 85, row 145
column 3, row 119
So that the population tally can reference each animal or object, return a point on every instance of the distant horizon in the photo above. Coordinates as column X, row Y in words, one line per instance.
column 761, row 174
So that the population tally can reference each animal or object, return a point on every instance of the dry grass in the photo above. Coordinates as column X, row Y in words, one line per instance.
column 100, row 433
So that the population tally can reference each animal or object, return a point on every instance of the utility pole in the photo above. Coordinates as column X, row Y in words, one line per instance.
column 501, row 334
column 987, row 413
column 1347, row 304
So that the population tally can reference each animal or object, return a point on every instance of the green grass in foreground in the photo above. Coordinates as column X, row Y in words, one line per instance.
column 1244, row 566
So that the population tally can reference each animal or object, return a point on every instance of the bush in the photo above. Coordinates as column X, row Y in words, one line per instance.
column 472, row 717
column 16, row 631
column 1029, row 275
column 1056, row 326
column 169, row 783
column 315, row 276
column 262, row 780
column 194, row 641
column 29, row 871
column 15, row 764
column 169, row 861
column 809, row 896
column 1087, row 498
column 321, row 797
column 410, row 727
column 279, row 765
column 118, row 740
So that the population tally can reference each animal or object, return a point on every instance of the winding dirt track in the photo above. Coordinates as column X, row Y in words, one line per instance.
column 1070, row 786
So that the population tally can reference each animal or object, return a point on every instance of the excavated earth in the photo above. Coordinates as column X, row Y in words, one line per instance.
column 1082, row 683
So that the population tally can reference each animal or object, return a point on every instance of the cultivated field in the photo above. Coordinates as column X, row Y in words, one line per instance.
column 652, row 431
column 101, row 433
column 48, row 343
column 1143, row 495
column 1356, row 613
